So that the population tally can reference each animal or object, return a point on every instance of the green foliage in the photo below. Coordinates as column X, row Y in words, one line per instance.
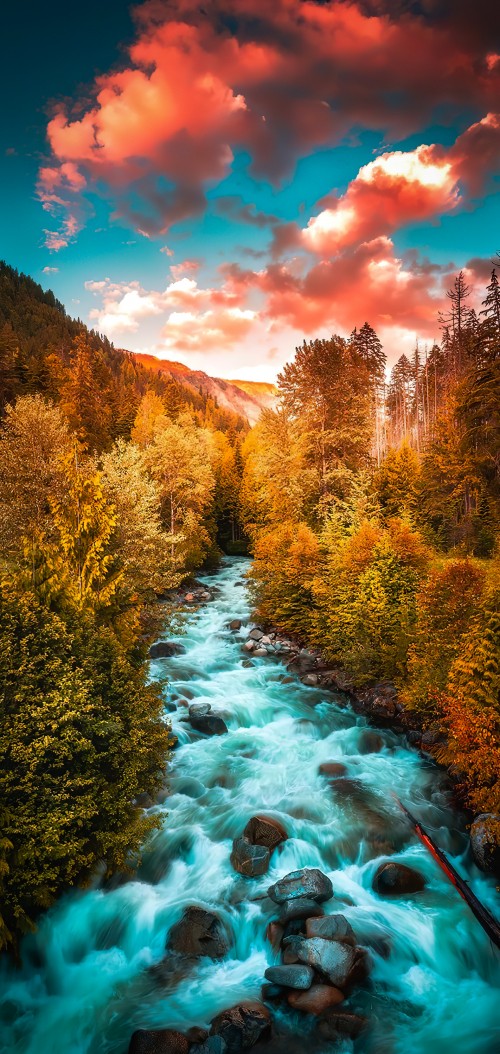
column 397, row 482
column 446, row 602
column 365, row 600
column 81, row 736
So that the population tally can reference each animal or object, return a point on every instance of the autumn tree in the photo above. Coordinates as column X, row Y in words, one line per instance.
column 180, row 461
column 449, row 597
column 34, row 440
column 140, row 540
column 327, row 390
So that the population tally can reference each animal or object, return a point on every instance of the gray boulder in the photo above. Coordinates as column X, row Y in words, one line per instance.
column 394, row 879
column 208, row 724
column 294, row 976
column 249, row 860
column 332, row 958
column 334, row 1024
column 301, row 908
column 199, row 709
column 199, row 933
column 164, row 649
column 332, row 928
column 308, row 882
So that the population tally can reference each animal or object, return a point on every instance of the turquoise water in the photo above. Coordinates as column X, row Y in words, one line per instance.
column 92, row 973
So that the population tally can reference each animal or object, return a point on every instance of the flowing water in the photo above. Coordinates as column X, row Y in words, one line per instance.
column 93, row 972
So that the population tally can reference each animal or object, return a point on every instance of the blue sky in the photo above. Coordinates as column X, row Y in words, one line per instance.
column 165, row 174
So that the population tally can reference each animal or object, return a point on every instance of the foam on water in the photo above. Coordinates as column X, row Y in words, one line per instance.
column 94, row 972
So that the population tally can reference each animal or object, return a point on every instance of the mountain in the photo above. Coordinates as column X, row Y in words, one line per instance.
column 246, row 398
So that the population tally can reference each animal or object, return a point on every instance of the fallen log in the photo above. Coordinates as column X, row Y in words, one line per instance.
column 483, row 916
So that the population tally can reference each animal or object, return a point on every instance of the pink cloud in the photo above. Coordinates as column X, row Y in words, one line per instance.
column 284, row 79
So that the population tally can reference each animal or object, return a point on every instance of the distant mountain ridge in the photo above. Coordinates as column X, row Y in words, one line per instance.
column 247, row 398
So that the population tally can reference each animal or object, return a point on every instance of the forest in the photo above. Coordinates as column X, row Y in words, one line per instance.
column 369, row 502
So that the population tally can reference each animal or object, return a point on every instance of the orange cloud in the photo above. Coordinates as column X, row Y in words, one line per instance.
column 275, row 80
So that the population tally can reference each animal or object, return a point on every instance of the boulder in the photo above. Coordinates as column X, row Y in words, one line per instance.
column 199, row 709
column 250, row 645
column 332, row 769
column 260, row 652
column 255, row 634
column 199, row 932
column 310, row 680
column 370, row 742
column 208, row 724
column 317, row 999
column 332, row 928
column 338, row 1023
column 164, row 649
column 308, row 882
column 293, row 976
column 393, row 879
column 242, row 1026
column 301, row 908
column 485, row 842
column 249, row 860
column 332, row 958
column 211, row 1045
column 158, row 1041
column 265, row 640
column 265, row 830
column 189, row 597
column 235, row 624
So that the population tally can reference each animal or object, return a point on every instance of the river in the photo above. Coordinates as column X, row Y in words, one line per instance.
column 90, row 974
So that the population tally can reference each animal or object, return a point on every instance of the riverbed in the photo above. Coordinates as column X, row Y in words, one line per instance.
column 95, row 971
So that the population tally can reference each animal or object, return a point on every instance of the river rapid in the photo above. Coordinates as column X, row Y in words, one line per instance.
column 92, row 974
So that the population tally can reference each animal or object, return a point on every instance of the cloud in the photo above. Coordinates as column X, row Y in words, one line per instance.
column 275, row 81
column 192, row 317
column 233, row 206
column 50, row 270
column 368, row 281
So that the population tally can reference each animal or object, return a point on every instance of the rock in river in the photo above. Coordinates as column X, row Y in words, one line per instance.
column 242, row 1026
column 164, row 649
column 308, row 882
column 332, row 958
column 158, row 1041
column 294, row 976
column 235, row 624
column 211, row 1045
column 199, row 932
column 249, row 860
column 301, row 908
column 317, row 999
column 264, row 830
column 199, row 710
column 332, row 928
column 394, row 879
column 208, row 724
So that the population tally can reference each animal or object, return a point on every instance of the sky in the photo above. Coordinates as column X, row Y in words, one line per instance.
column 212, row 183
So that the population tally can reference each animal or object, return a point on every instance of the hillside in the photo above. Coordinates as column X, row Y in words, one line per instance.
column 246, row 398
column 38, row 354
